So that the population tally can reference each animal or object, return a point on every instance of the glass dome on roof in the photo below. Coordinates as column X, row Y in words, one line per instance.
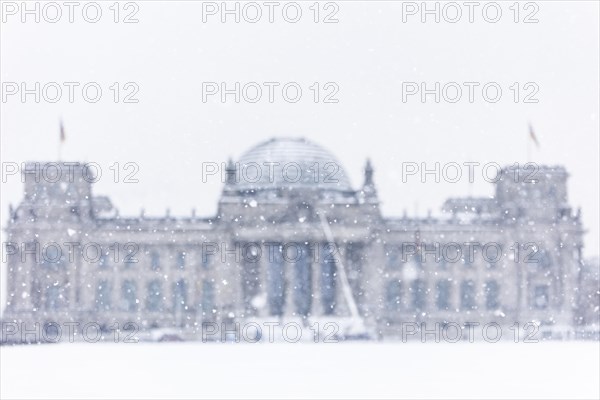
column 290, row 163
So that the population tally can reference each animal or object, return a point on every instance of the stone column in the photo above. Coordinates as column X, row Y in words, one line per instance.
column 262, row 265
column 315, row 276
column 289, row 287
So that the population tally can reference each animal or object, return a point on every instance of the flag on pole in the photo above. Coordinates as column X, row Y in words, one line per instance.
column 533, row 137
column 62, row 132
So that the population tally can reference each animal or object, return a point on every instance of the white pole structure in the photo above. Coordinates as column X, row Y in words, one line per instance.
column 355, row 315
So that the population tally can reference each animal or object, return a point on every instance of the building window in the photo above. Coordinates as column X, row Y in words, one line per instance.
column 543, row 259
column 393, row 296
column 129, row 294
column 467, row 261
column 442, row 263
column 429, row 254
column 129, row 259
column 492, row 293
column 467, row 295
column 354, row 255
column 180, row 260
column 392, row 256
column 103, row 262
column 418, row 291
column 52, row 257
column 52, row 329
column 442, row 299
column 155, row 261
column 208, row 299
column 492, row 255
column 53, row 298
column 36, row 294
column 179, row 296
column 413, row 263
column 103, row 296
column 154, row 300
column 541, row 297
column 207, row 260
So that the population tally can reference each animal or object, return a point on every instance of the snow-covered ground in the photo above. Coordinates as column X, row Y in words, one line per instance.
column 347, row 370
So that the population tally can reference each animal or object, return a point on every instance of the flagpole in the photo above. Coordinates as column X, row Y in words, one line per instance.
column 532, row 138
column 61, row 140
column 470, row 183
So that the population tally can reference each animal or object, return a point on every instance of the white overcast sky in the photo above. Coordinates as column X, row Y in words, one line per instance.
column 369, row 53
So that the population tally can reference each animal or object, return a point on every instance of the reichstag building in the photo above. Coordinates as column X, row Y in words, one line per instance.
column 297, row 244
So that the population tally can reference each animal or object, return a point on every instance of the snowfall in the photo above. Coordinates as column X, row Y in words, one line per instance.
column 546, row 370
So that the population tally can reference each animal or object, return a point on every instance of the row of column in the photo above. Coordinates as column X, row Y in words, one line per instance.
column 293, row 284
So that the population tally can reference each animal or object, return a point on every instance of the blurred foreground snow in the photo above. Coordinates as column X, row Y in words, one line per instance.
column 339, row 370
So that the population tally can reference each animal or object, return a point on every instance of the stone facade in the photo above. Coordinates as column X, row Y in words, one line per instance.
column 268, row 252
